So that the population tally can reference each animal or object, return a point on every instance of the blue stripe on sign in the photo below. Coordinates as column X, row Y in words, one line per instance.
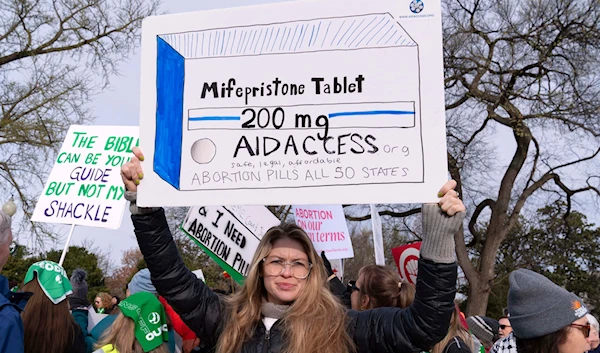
column 170, row 75
column 373, row 112
column 206, row 118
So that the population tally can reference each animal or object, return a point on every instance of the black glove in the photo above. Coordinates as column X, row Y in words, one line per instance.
column 335, row 285
column 327, row 264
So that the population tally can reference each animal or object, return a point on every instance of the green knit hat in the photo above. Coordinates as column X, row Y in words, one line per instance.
column 149, row 317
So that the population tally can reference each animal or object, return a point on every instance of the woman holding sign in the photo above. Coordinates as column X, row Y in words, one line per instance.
column 285, row 304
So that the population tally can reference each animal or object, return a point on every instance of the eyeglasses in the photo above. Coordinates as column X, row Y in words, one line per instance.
column 584, row 328
column 353, row 287
column 276, row 267
column 13, row 248
column 503, row 327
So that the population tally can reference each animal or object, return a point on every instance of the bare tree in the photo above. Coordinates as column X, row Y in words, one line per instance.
column 529, row 67
column 521, row 80
column 105, row 263
column 54, row 56
column 121, row 276
column 284, row 213
column 395, row 233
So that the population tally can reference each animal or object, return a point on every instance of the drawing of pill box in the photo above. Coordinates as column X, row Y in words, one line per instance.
column 195, row 133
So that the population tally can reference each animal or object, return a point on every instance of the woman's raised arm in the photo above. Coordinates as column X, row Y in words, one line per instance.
column 195, row 303
column 420, row 326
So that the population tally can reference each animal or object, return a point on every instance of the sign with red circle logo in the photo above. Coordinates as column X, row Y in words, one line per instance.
column 406, row 258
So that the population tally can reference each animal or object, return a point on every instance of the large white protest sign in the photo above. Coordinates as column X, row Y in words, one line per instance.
column 229, row 235
column 85, row 186
column 319, row 102
column 326, row 227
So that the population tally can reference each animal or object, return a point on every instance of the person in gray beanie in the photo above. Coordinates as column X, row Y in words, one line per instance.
column 79, row 283
column 545, row 317
column 141, row 282
column 80, row 289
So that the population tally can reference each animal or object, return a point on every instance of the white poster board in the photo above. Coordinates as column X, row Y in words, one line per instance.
column 229, row 235
column 94, row 318
column 337, row 265
column 326, row 227
column 199, row 274
column 303, row 102
column 85, row 186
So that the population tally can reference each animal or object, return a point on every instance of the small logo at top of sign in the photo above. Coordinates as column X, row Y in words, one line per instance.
column 416, row 6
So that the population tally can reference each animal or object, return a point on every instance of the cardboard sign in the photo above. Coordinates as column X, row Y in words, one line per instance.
column 407, row 260
column 326, row 226
column 319, row 102
column 229, row 235
column 85, row 186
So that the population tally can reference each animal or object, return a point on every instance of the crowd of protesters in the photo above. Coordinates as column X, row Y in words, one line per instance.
column 291, row 301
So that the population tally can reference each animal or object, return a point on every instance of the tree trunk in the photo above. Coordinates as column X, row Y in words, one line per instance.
column 480, row 289
column 479, row 293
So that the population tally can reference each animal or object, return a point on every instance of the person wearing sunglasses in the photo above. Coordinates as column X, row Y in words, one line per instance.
column 505, row 327
column 11, row 325
column 545, row 317
column 380, row 286
column 593, row 340
column 103, row 303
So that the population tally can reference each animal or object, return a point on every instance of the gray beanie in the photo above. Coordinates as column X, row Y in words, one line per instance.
column 79, row 284
column 538, row 307
column 141, row 283
column 483, row 328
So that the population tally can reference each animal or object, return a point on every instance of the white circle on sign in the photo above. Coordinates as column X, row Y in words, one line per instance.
column 407, row 263
column 203, row 151
column 154, row 318
column 58, row 279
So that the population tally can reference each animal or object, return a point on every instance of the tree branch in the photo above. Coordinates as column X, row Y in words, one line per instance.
column 385, row 213
column 477, row 236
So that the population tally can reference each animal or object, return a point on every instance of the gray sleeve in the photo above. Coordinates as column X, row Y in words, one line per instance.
column 131, row 196
column 438, row 234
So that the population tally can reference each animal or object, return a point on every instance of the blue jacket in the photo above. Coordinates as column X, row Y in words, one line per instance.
column 11, row 326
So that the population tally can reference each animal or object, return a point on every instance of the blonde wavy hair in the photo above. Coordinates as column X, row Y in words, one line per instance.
column 314, row 323
column 121, row 335
column 105, row 299
column 456, row 329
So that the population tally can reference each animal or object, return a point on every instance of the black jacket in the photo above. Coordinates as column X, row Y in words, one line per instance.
column 414, row 329
column 457, row 345
column 341, row 291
